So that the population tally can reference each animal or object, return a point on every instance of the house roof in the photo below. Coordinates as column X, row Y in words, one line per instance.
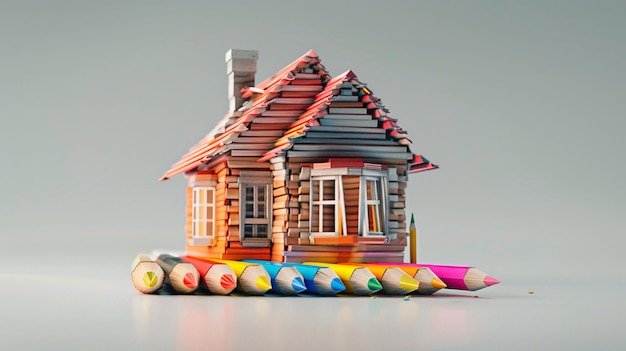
column 300, row 98
column 260, row 98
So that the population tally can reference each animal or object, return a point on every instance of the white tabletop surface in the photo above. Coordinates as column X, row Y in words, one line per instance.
column 59, row 307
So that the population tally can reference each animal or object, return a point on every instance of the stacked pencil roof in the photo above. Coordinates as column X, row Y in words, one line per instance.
column 186, row 275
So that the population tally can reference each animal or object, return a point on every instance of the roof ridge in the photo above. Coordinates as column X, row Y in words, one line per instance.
column 304, row 59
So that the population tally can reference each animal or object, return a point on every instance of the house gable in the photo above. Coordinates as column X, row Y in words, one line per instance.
column 346, row 120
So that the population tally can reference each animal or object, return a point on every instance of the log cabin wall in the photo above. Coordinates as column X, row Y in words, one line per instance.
column 350, row 125
column 213, row 245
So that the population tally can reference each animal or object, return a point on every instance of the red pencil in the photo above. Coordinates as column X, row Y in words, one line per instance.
column 182, row 276
column 217, row 278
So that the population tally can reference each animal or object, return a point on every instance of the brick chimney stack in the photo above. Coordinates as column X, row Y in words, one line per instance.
column 241, row 68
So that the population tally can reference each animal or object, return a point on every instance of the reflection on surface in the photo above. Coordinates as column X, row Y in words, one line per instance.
column 71, row 311
column 234, row 322
column 451, row 323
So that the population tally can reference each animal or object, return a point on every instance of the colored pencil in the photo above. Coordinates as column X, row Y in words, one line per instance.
column 429, row 282
column 458, row 277
column 217, row 278
column 394, row 280
column 182, row 276
column 413, row 240
column 252, row 278
column 358, row 280
column 146, row 274
column 285, row 280
column 319, row 280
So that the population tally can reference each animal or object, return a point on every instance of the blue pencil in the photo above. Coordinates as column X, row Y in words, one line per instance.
column 285, row 280
column 319, row 280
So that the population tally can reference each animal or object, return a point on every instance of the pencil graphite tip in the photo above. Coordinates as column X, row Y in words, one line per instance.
column 438, row 284
column 337, row 285
column 374, row 285
column 228, row 282
column 489, row 280
column 150, row 279
column 263, row 283
column 409, row 284
column 298, row 285
column 190, row 281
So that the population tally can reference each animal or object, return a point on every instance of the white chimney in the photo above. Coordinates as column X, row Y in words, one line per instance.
column 241, row 68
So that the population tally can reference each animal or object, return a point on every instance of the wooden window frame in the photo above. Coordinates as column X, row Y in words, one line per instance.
column 197, row 223
column 266, row 185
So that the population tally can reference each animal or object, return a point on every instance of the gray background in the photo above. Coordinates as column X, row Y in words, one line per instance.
column 520, row 103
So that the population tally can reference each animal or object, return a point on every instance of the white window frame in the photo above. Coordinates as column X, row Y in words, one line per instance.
column 256, row 220
column 337, row 201
column 196, row 208
column 379, row 200
column 336, row 174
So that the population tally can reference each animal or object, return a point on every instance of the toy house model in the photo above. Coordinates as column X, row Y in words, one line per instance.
column 304, row 167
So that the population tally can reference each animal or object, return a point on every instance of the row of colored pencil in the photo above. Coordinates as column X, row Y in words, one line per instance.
column 186, row 274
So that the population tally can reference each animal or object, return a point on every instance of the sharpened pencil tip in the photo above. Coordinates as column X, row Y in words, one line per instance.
column 337, row 285
column 150, row 279
column 374, row 285
column 190, row 281
column 489, row 281
column 228, row 282
column 409, row 284
column 263, row 283
column 298, row 285
column 437, row 283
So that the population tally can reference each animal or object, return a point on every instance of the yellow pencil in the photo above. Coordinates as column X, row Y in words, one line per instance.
column 146, row 274
column 413, row 240
column 252, row 278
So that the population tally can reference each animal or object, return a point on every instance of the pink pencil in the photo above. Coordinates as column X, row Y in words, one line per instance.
column 455, row 277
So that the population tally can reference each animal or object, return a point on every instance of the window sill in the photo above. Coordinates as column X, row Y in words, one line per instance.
column 256, row 242
column 201, row 241
column 334, row 240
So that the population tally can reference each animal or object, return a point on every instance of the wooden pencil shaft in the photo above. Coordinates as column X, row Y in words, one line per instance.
column 250, row 278
column 142, row 257
column 284, row 281
column 147, row 276
column 168, row 262
column 182, row 276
